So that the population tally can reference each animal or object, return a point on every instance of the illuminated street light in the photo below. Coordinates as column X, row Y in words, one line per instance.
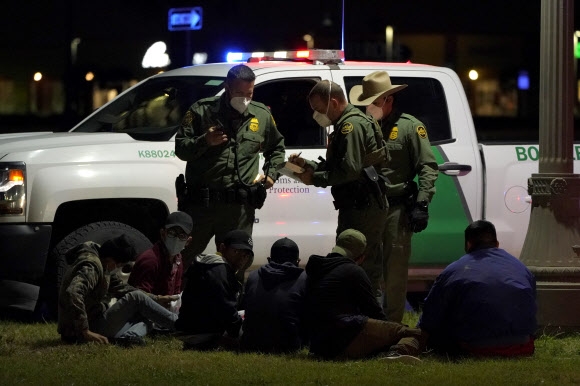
column 156, row 56
column 74, row 44
column 89, row 76
column 473, row 75
column 37, row 76
column 309, row 41
column 199, row 58
column 389, row 33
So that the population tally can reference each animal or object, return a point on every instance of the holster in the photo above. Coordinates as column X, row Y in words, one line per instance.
column 254, row 195
column 376, row 185
column 181, row 192
column 355, row 195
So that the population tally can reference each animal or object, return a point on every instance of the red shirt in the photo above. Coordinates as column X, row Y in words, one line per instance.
column 154, row 273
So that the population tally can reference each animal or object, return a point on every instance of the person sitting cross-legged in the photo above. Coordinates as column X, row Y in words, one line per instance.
column 209, row 302
column 159, row 269
column 344, row 318
column 273, row 302
column 84, row 314
column 483, row 304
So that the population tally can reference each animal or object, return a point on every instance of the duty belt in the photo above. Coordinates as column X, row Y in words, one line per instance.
column 204, row 196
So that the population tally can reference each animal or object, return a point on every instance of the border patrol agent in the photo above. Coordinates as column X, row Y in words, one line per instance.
column 220, row 138
column 411, row 156
column 354, row 165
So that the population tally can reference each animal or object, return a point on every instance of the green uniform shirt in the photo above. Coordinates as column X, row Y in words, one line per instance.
column 214, row 166
column 352, row 139
column 411, row 155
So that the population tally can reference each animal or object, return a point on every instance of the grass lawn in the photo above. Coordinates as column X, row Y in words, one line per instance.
column 32, row 354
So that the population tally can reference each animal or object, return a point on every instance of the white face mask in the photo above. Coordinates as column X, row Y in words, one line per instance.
column 174, row 245
column 322, row 119
column 375, row 111
column 240, row 104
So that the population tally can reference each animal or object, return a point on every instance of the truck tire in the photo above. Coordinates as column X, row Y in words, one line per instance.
column 98, row 232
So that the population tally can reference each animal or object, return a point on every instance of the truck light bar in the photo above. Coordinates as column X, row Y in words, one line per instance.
column 315, row 56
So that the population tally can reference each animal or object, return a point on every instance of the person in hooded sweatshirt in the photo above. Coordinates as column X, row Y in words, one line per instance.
column 344, row 318
column 209, row 300
column 272, row 302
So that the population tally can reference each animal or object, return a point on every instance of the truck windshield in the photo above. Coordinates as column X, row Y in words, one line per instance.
column 153, row 110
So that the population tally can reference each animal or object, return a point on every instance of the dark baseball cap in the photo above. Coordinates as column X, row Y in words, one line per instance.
column 239, row 239
column 350, row 243
column 284, row 250
column 179, row 219
column 121, row 249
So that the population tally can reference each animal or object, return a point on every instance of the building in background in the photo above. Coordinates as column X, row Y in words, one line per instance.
column 64, row 61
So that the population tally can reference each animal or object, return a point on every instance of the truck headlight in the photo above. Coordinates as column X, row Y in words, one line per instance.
column 12, row 188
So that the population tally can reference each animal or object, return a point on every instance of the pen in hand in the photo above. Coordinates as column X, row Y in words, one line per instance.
column 293, row 157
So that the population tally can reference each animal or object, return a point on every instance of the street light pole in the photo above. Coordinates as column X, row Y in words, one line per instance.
column 554, row 227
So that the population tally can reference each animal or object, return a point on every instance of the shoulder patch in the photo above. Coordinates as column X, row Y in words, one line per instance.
column 394, row 133
column 187, row 119
column 254, row 124
column 422, row 131
column 346, row 128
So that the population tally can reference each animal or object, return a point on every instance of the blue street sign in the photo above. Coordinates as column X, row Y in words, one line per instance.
column 184, row 19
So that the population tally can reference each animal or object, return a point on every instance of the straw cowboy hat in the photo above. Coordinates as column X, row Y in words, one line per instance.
column 374, row 85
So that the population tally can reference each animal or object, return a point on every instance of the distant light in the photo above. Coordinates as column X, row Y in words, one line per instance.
column 473, row 75
column 89, row 76
column 199, row 57
column 37, row 76
column 111, row 94
column 309, row 40
column 156, row 56
column 523, row 80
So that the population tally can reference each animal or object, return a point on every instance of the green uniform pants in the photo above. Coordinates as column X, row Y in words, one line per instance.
column 370, row 222
column 397, row 251
column 217, row 220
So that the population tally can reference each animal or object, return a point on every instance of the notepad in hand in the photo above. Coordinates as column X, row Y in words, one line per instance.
column 288, row 169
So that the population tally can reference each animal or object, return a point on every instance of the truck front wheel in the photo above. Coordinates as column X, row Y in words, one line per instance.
column 97, row 232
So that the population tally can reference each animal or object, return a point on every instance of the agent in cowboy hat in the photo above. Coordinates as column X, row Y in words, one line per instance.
column 411, row 156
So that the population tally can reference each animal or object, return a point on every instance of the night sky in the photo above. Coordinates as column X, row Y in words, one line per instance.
column 116, row 33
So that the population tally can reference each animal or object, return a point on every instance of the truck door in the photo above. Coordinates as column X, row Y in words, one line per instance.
column 436, row 98
column 304, row 213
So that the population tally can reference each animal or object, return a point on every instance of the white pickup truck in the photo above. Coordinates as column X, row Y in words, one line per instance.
column 115, row 171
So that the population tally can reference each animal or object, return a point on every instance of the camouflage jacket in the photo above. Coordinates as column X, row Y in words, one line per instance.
column 85, row 290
